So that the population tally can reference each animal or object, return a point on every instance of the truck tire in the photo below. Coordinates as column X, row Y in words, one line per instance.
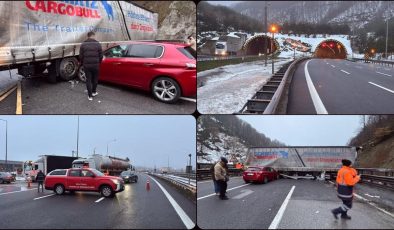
column 68, row 68
column 59, row 189
column 106, row 191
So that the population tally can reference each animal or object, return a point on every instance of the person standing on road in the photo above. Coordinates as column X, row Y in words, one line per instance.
column 40, row 179
column 346, row 178
column 221, row 177
column 91, row 55
column 215, row 183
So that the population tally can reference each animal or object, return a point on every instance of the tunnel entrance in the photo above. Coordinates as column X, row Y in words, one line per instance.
column 255, row 45
column 331, row 49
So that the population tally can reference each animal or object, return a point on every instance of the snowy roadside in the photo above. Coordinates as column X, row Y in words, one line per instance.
column 226, row 89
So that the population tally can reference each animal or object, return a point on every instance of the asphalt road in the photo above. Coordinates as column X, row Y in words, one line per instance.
column 135, row 207
column 343, row 87
column 256, row 206
column 41, row 97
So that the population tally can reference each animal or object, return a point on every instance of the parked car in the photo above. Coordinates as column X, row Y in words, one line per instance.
column 129, row 176
column 86, row 179
column 6, row 177
column 167, row 70
column 260, row 174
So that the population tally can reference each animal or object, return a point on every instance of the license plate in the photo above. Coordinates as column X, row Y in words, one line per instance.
column 250, row 174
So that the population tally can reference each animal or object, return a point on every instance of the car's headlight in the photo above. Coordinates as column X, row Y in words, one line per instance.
column 127, row 177
column 115, row 181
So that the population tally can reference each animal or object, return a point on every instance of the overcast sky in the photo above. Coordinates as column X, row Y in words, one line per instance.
column 146, row 140
column 316, row 130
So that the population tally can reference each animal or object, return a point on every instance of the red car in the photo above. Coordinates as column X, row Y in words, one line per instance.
column 260, row 174
column 86, row 179
column 167, row 70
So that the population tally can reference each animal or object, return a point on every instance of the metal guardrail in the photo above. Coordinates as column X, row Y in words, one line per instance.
column 388, row 63
column 379, row 181
column 205, row 174
column 266, row 100
column 218, row 58
column 179, row 181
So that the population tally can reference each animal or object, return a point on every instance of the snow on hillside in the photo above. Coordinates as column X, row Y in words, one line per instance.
column 222, row 146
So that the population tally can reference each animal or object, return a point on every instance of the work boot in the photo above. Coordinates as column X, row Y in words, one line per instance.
column 346, row 217
column 224, row 198
column 335, row 212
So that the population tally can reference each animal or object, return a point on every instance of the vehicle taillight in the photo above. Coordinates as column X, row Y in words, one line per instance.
column 190, row 65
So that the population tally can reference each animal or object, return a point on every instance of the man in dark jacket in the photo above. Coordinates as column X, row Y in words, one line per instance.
column 91, row 55
column 40, row 179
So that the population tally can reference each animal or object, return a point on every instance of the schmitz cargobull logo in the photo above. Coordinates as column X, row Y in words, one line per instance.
column 86, row 9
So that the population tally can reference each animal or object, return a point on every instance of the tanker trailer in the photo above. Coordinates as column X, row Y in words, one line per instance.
column 107, row 164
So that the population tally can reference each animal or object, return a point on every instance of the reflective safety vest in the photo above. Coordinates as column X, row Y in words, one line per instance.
column 346, row 179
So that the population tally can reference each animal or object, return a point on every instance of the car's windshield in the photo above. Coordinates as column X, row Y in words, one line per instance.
column 98, row 173
column 253, row 169
column 125, row 173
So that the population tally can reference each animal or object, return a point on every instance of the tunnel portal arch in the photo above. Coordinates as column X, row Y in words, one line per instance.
column 255, row 45
column 331, row 48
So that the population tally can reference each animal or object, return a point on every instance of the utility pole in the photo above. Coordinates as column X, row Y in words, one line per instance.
column 6, row 143
column 265, row 31
column 387, row 36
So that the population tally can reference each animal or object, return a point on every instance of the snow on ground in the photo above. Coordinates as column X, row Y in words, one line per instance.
column 226, row 89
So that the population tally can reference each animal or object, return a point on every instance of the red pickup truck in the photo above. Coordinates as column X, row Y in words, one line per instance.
column 86, row 179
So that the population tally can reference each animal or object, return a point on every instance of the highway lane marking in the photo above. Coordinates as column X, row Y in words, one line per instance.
column 344, row 71
column 227, row 190
column 383, row 73
column 279, row 215
column 182, row 214
column 333, row 66
column 102, row 198
column 369, row 202
column 319, row 106
column 44, row 196
column 188, row 99
column 391, row 91
column 17, row 191
column 244, row 193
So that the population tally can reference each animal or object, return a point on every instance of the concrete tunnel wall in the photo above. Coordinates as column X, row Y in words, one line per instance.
column 255, row 45
column 324, row 50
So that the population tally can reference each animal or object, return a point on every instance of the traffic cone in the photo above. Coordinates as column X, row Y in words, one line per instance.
column 147, row 185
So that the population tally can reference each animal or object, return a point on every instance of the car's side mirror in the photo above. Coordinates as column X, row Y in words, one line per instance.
column 93, row 176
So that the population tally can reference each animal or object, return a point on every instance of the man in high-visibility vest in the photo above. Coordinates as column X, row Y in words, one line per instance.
column 346, row 178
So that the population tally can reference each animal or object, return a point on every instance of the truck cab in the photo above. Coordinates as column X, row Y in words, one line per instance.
column 83, row 179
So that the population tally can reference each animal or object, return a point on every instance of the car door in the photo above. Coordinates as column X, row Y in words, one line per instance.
column 74, row 179
column 87, row 180
column 113, row 59
column 141, row 65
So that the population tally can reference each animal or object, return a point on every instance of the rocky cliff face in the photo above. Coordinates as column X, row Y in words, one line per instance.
column 177, row 19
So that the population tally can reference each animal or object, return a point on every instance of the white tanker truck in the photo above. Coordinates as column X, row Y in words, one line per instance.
column 107, row 164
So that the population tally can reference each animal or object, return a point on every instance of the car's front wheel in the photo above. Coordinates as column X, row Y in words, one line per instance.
column 59, row 189
column 106, row 191
column 135, row 179
column 265, row 180
column 166, row 90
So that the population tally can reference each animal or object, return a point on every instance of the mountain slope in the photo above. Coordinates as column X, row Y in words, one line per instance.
column 229, row 136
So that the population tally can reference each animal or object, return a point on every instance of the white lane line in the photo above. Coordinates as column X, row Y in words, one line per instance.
column 333, row 66
column 391, row 91
column 227, row 190
column 369, row 202
column 44, row 196
column 102, row 198
column 244, row 193
column 345, row 71
column 188, row 99
column 383, row 73
column 279, row 215
column 18, row 191
column 319, row 106
column 182, row 214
